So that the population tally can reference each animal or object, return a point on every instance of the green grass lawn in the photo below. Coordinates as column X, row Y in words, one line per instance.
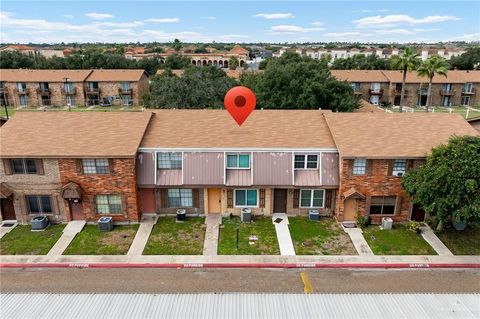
column 262, row 227
column 171, row 238
column 325, row 237
column 397, row 241
column 92, row 241
column 462, row 110
column 466, row 242
column 22, row 241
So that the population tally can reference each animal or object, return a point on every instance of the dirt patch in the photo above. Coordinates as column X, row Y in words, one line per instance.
column 122, row 239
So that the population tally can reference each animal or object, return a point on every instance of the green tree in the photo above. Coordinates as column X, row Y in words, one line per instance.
column 469, row 60
column 198, row 88
column 406, row 61
column 447, row 186
column 430, row 67
column 233, row 63
column 295, row 82
column 176, row 61
column 177, row 45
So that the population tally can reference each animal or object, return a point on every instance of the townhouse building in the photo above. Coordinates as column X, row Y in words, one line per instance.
column 201, row 161
column 84, row 165
column 376, row 150
column 70, row 166
column 60, row 88
column 458, row 88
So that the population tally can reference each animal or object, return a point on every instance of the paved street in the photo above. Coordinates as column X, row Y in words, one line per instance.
column 236, row 280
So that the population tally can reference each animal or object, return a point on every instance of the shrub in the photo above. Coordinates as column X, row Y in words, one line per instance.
column 363, row 221
column 413, row 226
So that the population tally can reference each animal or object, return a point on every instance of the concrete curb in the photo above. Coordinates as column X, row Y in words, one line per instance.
column 243, row 265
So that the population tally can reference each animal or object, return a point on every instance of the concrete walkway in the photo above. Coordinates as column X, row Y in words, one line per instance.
column 69, row 233
column 142, row 235
column 433, row 241
column 5, row 230
column 361, row 245
column 283, row 235
column 210, row 244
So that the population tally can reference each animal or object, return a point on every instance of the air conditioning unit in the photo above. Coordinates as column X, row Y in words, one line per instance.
column 39, row 222
column 246, row 214
column 399, row 174
column 105, row 223
column 313, row 214
column 181, row 215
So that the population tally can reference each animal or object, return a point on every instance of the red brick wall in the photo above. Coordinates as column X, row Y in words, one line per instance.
column 377, row 182
column 121, row 180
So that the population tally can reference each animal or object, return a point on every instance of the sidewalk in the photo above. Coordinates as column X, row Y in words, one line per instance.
column 433, row 241
column 361, row 245
column 283, row 234
column 210, row 244
column 239, row 261
column 142, row 235
column 69, row 233
column 4, row 229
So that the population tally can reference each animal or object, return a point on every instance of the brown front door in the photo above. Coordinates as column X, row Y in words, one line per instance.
column 350, row 209
column 279, row 200
column 418, row 214
column 8, row 211
column 77, row 211
column 214, row 200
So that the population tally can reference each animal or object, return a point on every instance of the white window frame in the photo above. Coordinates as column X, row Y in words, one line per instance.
column 93, row 169
column 375, row 87
column 238, row 160
column 108, row 197
column 169, row 159
column 468, row 87
column 305, row 161
column 365, row 167
column 245, row 189
column 311, row 197
column 394, row 171
column 180, row 193
column 466, row 97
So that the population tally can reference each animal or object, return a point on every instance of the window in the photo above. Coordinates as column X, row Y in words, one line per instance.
column 126, row 86
column 382, row 205
column 127, row 100
column 92, row 86
column 22, row 87
column 238, row 161
column 23, row 99
column 23, row 166
column 374, row 99
column 447, row 87
column 359, row 166
column 109, row 204
column 169, row 160
column 246, row 197
column 95, row 166
column 399, row 166
column 179, row 198
column 375, row 87
column 465, row 100
column 355, row 86
column 446, row 100
column 398, row 87
column 468, row 87
column 43, row 86
column 70, row 100
column 306, row 161
column 39, row 204
column 68, row 86
column 311, row 198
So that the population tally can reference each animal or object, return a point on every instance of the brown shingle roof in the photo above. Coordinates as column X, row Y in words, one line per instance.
column 237, row 49
column 359, row 75
column 366, row 107
column 453, row 76
column 393, row 135
column 102, row 75
column 216, row 129
column 76, row 134
column 28, row 75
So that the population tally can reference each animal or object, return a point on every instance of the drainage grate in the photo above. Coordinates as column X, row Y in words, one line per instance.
column 8, row 224
column 278, row 220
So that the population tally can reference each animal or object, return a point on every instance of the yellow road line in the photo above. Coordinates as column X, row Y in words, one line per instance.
column 307, row 285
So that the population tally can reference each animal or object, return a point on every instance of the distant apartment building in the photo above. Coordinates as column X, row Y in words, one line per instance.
column 213, row 57
column 60, row 88
column 459, row 88
column 385, row 53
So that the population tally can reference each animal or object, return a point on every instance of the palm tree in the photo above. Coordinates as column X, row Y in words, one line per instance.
column 430, row 67
column 406, row 61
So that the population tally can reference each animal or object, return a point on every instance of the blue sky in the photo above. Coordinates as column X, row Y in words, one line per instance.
column 233, row 21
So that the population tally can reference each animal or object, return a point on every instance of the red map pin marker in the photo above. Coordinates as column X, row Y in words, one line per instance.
column 240, row 103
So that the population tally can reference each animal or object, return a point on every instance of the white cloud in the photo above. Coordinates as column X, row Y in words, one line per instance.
column 317, row 23
column 99, row 16
column 343, row 34
column 68, row 16
column 211, row 18
column 470, row 37
column 120, row 24
column 392, row 20
column 164, row 20
column 271, row 16
column 395, row 31
column 291, row 29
